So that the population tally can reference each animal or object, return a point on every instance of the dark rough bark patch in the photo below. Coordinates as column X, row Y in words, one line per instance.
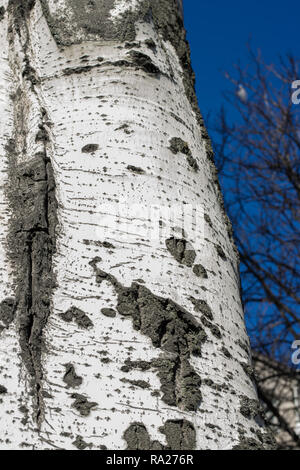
column 181, row 250
column 137, row 437
column 89, row 18
column 177, row 145
column 7, row 311
column 135, row 169
column 202, row 306
column 20, row 9
column 151, row 44
column 251, row 409
column 71, row 378
column 138, row 61
column 108, row 312
column 138, row 383
column 82, row 405
column 31, row 246
column 106, row 245
column 200, row 271
column 78, row 316
column 180, row 435
column 90, row 148
column 180, row 384
column 77, row 70
column 81, row 444
column 171, row 328
column 262, row 441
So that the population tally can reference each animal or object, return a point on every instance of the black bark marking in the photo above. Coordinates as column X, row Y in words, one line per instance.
column 180, row 384
column 262, row 441
column 135, row 169
column 2, row 13
column 208, row 220
column 202, row 306
column 108, row 312
column 78, row 316
column 71, row 378
column 90, row 18
column 177, row 145
column 20, row 10
column 3, row 390
column 181, row 250
column 180, row 435
column 151, row 44
column 171, row 328
column 137, row 437
column 90, row 148
column 215, row 330
column 138, row 383
column 200, row 271
column 82, row 405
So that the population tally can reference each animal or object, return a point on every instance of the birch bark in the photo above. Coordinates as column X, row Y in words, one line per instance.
column 121, row 320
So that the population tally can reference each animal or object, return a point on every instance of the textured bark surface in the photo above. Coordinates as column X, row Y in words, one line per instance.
column 118, row 329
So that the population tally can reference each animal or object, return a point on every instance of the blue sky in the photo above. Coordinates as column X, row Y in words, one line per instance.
column 219, row 30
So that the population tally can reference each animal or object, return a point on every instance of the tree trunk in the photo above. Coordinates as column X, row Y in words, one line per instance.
column 121, row 319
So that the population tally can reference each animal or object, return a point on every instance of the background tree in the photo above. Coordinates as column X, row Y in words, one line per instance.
column 258, row 156
column 113, row 336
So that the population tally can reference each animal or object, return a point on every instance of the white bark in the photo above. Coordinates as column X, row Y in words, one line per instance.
column 130, row 116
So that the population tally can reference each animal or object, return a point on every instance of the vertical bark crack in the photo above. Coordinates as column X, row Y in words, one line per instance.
column 31, row 239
